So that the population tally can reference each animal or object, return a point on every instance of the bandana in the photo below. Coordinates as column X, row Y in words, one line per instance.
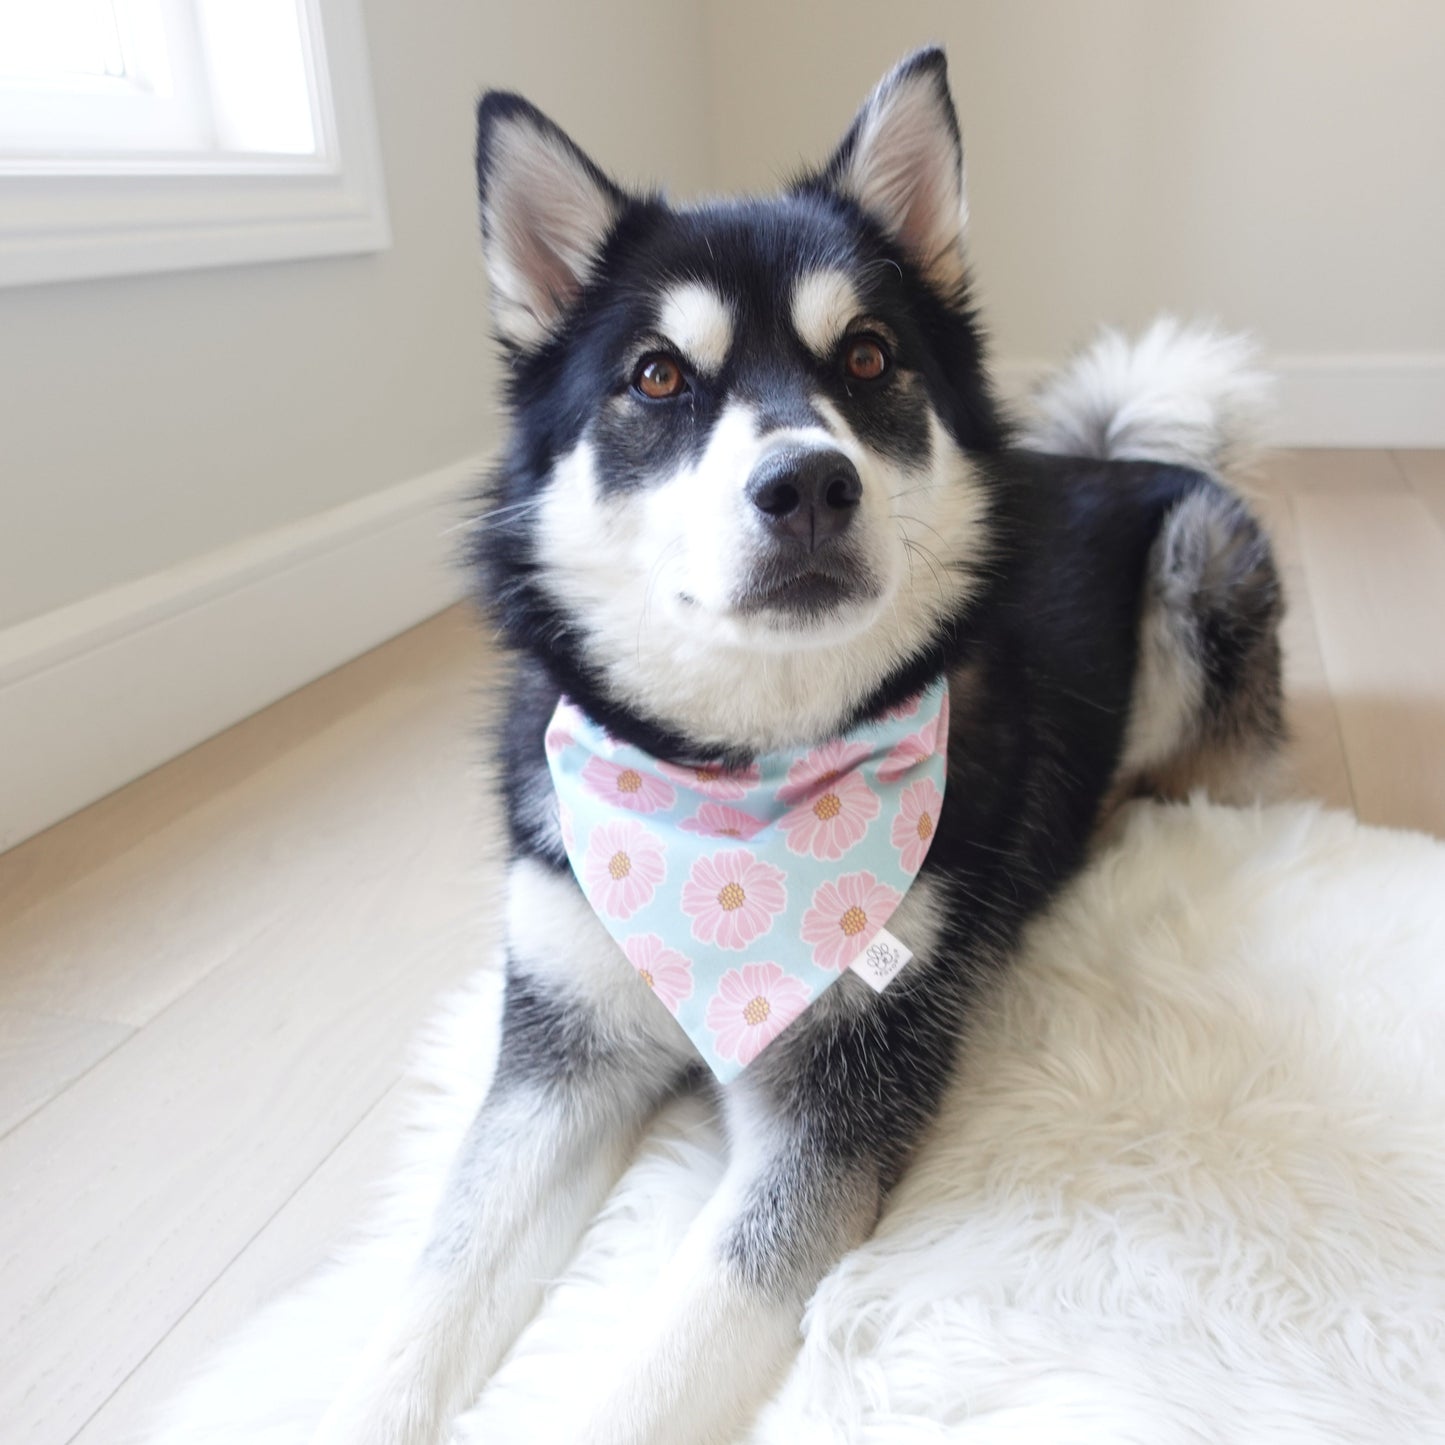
column 740, row 896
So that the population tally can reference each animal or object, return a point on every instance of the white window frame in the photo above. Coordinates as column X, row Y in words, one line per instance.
column 64, row 219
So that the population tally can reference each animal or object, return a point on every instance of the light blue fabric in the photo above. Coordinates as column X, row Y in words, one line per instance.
column 740, row 897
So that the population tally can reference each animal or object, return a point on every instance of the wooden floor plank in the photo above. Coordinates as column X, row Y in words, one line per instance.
column 1425, row 471
column 1376, row 572
column 139, row 1184
column 41, row 1053
column 296, row 1240
column 1337, row 469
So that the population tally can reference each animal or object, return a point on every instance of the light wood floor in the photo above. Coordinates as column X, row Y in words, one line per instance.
column 209, row 981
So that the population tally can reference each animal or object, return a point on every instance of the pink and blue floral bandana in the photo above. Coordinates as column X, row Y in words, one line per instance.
column 740, row 896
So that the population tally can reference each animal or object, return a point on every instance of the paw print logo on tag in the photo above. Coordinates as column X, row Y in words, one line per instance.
column 882, row 961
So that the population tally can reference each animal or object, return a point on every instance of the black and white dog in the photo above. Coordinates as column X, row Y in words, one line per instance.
column 758, row 490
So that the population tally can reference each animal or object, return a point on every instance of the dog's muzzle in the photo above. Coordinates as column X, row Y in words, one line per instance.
column 806, row 500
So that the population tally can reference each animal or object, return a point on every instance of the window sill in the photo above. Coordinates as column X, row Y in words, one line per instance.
column 69, row 219
column 64, row 228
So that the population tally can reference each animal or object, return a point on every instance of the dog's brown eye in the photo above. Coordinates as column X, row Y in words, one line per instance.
column 865, row 359
column 659, row 377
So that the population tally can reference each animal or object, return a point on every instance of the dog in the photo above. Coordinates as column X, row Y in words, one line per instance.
column 759, row 492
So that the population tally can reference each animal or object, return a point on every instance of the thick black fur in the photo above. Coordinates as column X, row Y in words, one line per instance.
column 1047, row 651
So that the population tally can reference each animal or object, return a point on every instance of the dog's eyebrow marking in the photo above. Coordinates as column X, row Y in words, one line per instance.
column 824, row 302
column 698, row 322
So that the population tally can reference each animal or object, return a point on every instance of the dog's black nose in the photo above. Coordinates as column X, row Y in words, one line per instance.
column 806, row 494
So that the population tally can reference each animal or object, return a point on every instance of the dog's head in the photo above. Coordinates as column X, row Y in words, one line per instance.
column 738, row 505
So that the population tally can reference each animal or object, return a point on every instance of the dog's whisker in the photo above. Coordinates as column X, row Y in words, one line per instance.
column 913, row 491
column 931, row 562
column 918, row 521
column 495, row 514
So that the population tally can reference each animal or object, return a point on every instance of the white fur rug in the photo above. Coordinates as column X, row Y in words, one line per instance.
column 1191, row 1188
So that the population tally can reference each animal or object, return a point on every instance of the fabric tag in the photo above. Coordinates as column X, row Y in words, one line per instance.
column 882, row 961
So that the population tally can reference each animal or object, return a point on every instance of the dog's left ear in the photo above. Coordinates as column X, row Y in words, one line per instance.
column 902, row 162
column 547, row 211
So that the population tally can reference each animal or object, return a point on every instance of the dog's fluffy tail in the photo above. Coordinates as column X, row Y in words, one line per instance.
column 1191, row 395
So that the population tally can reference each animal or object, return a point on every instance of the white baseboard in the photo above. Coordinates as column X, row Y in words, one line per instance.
column 1361, row 401
column 95, row 694
column 1328, row 401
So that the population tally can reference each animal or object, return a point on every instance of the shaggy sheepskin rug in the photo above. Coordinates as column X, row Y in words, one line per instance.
column 1191, row 1186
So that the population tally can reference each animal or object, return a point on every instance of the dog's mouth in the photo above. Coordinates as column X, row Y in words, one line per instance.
column 803, row 590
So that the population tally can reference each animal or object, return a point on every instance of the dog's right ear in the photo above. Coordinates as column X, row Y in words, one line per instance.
column 902, row 162
column 547, row 211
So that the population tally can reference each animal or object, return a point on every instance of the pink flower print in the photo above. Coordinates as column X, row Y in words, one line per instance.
column 557, row 738
column 820, row 767
column 714, row 781
column 916, row 748
column 732, row 898
column 752, row 1006
column 622, row 868
column 565, row 826
column 717, row 820
column 916, row 822
column 834, row 805
column 626, row 787
column 664, row 970
column 844, row 916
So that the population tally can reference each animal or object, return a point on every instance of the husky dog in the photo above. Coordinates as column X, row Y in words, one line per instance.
column 759, row 491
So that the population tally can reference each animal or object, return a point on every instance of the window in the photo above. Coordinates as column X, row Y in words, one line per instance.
column 141, row 135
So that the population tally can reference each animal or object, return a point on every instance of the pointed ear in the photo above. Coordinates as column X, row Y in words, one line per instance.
column 547, row 211
column 902, row 162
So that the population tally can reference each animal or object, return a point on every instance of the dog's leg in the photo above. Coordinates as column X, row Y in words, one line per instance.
column 723, row 1326
column 564, row 1110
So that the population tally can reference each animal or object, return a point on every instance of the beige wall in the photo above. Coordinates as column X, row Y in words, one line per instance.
column 1277, row 163
column 144, row 420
